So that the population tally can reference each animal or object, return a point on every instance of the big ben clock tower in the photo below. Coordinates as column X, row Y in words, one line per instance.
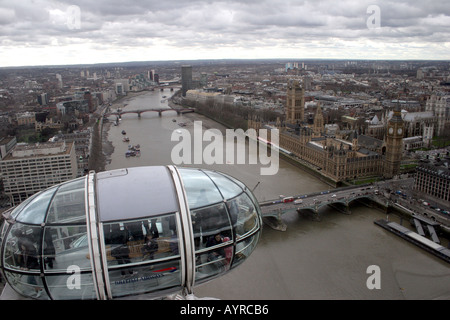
column 394, row 144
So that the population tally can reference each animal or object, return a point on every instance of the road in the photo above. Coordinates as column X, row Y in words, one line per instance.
column 318, row 199
column 403, row 193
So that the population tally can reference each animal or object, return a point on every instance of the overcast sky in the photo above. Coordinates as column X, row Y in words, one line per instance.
column 47, row 32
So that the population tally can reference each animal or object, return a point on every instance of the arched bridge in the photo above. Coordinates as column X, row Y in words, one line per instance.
column 339, row 199
column 140, row 111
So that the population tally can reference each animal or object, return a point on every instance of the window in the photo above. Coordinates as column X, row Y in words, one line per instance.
column 209, row 221
column 66, row 246
column 22, row 248
column 142, row 254
column 136, row 279
column 213, row 240
column 68, row 205
column 36, row 209
column 244, row 248
column 140, row 240
column 28, row 285
column 200, row 189
column 243, row 215
column 68, row 287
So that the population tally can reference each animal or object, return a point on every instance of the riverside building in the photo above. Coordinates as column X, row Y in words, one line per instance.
column 433, row 178
column 30, row 168
column 186, row 79
column 341, row 157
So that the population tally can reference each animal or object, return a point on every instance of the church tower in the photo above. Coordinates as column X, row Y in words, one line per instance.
column 394, row 144
column 295, row 103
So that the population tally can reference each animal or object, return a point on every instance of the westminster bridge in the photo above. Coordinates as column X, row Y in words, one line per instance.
column 382, row 194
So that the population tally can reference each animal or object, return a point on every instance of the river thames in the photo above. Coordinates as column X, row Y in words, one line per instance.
column 326, row 259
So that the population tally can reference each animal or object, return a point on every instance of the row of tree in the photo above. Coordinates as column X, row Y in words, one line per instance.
column 233, row 116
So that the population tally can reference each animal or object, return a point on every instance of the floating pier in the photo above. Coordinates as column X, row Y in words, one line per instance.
column 415, row 238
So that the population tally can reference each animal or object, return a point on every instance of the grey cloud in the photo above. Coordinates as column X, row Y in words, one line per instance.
column 7, row 16
column 240, row 23
column 25, row 12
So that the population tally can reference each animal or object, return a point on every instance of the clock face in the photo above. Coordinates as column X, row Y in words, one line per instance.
column 399, row 130
column 391, row 130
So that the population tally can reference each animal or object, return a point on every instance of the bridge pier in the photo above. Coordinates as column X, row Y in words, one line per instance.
column 345, row 209
column 315, row 213
column 139, row 114
column 275, row 222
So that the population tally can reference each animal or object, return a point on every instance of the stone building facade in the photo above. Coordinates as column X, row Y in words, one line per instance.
column 440, row 106
column 344, row 156
column 433, row 178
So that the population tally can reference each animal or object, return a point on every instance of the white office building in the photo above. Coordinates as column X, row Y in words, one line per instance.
column 30, row 168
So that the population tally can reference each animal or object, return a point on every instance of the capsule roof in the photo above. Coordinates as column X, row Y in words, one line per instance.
column 131, row 193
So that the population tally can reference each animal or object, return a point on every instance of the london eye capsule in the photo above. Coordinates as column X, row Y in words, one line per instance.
column 150, row 231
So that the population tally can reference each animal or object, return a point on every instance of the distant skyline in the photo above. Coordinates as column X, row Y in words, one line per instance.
column 50, row 32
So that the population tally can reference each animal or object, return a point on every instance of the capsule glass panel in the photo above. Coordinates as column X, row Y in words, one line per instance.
column 207, row 222
column 243, row 214
column 227, row 187
column 140, row 240
column 142, row 255
column 29, row 285
column 21, row 251
column 73, row 285
column 244, row 248
column 214, row 262
column 66, row 246
column 34, row 212
column 22, row 205
column 68, row 205
column 133, row 280
column 200, row 189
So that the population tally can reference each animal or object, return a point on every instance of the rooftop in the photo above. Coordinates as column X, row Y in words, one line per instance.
column 39, row 150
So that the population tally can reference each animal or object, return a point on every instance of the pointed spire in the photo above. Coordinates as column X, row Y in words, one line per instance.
column 319, row 108
column 397, row 116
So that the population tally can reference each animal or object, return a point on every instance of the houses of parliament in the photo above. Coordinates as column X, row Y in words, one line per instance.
column 342, row 156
